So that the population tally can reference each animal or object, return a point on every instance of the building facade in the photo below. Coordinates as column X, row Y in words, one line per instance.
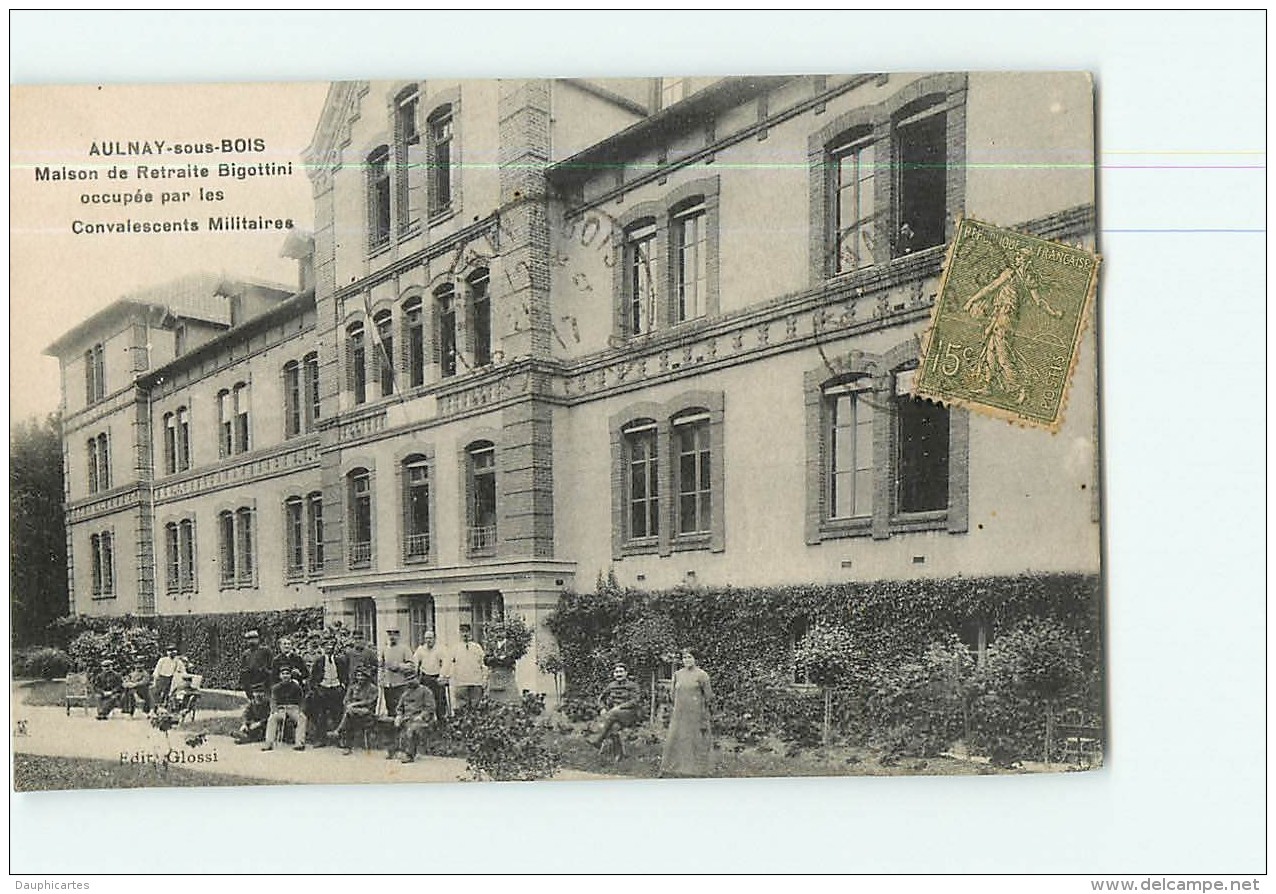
column 547, row 329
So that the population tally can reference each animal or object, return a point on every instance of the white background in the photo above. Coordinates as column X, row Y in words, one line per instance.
column 1182, row 311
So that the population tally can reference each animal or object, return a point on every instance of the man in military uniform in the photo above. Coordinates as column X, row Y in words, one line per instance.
column 256, row 716
column 360, row 708
column 254, row 664
column 414, row 718
column 110, row 689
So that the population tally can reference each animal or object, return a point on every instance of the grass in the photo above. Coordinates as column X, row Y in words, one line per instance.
column 46, row 693
column 40, row 773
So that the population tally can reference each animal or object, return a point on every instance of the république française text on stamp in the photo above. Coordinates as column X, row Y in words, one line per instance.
column 1007, row 324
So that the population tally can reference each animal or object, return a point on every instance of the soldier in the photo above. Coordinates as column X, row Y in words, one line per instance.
column 285, row 705
column 360, row 708
column 256, row 716
column 110, row 689
column 329, row 675
column 414, row 718
column 254, row 664
column 137, row 687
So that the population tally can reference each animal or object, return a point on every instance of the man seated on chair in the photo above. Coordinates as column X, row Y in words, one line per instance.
column 110, row 689
column 360, row 713
column 137, row 688
column 414, row 717
column 256, row 716
column 183, row 693
column 618, row 704
column 286, row 697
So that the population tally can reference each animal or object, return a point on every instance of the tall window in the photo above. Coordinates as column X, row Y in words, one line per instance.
column 241, row 400
column 294, row 538
column 360, row 491
column 445, row 297
column 365, row 618
column 183, row 439
column 643, row 494
column 314, row 531
column 226, row 542
column 440, row 162
column 854, row 176
column 172, row 558
column 378, row 197
column 640, row 278
column 481, row 462
column 357, row 363
column 292, row 399
column 672, row 90
column 99, row 464
column 921, row 176
column 414, row 342
column 170, row 443
column 486, row 609
column 420, row 618
column 850, row 451
column 480, row 317
column 385, row 351
column 406, row 138
column 186, row 555
column 102, row 561
column 921, row 460
column 310, row 370
column 695, row 493
column 244, row 547
column 225, row 424
column 416, row 509
column 691, row 238
column 94, row 374
column 94, row 484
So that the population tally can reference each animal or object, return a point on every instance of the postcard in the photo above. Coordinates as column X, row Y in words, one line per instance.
column 530, row 429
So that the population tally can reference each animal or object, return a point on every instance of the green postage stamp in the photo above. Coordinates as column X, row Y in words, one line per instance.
column 1007, row 324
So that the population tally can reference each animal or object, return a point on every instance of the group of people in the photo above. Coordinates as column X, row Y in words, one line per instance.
column 170, row 685
column 344, row 691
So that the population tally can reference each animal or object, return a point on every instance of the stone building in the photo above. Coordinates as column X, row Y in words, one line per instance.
column 551, row 328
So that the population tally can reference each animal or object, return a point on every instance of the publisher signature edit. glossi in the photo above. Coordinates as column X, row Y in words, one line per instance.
column 172, row 756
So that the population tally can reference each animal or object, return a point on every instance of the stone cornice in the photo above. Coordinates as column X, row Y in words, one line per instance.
column 118, row 499
column 291, row 456
column 423, row 575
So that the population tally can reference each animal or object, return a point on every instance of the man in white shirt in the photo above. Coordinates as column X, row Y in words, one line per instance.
column 468, row 673
column 168, row 667
column 395, row 660
column 432, row 663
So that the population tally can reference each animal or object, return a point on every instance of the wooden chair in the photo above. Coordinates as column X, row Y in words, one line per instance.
column 79, row 692
column 1082, row 738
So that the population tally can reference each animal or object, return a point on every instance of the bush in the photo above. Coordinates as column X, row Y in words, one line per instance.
column 123, row 645
column 504, row 642
column 919, row 708
column 214, row 642
column 579, row 710
column 40, row 663
column 504, row 742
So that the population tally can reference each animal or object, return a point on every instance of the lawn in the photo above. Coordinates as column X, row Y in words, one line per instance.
column 40, row 773
column 45, row 693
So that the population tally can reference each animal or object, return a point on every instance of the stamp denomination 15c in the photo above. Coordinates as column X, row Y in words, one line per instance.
column 1007, row 324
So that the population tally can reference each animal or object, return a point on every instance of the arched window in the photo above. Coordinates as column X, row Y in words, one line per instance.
column 853, row 182
column 921, row 440
column 641, row 290
column 186, row 555
column 93, row 466
column 378, row 167
column 294, row 538
column 106, row 543
column 225, row 424
column 245, row 553
column 691, row 259
column 481, row 498
column 95, row 562
column 445, row 304
column 416, row 509
column 314, row 531
column 356, row 363
column 848, row 419
column 385, row 350
column 226, row 543
column 439, row 131
column 359, row 540
column 183, row 439
column 241, row 400
column 642, row 489
column 480, row 314
column 414, row 342
column 170, row 443
column 692, row 463
column 407, row 138
column 172, row 558
column 310, row 370
column 920, row 143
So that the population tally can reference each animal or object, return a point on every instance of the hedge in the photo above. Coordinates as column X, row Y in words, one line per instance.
column 214, row 643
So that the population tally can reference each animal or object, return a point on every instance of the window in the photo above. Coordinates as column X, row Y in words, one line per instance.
column 480, row 313
column 360, row 539
column 406, row 139
column 440, row 159
column 292, row 399
column 414, row 342
column 378, row 165
column 241, row 400
column 640, row 279
column 179, row 339
column 416, row 509
column 691, row 240
column 672, row 90
column 695, row 493
column 99, row 464
column 365, row 619
column 186, row 555
column 643, row 495
column 921, row 176
column 102, row 562
column 294, row 539
column 245, row 569
column 226, row 540
column 172, row 559
column 94, row 484
column 170, row 443
column 853, row 171
column 183, row 439
column 356, row 363
column 94, row 374
column 225, row 424
column 486, row 609
column 481, row 463
column 235, row 535
column 385, row 351
column 849, row 412
column 314, row 528
column 444, row 297
column 310, row 369
column 420, row 618
column 921, row 460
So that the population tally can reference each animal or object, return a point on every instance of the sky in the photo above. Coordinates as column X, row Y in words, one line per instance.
column 59, row 278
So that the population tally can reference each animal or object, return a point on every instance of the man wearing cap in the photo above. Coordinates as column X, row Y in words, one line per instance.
column 360, row 654
column 256, row 717
column 169, row 666
column 394, row 661
column 285, row 705
column 360, row 708
column 288, row 656
column 414, row 717
column 329, row 676
column 618, row 703
column 254, row 664
column 432, row 662
column 110, row 689
column 137, row 688
column 467, row 670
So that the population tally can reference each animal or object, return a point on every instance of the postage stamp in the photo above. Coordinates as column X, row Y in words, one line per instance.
column 1007, row 324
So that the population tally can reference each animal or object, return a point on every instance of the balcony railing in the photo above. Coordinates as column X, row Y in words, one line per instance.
column 482, row 540
column 416, row 547
column 361, row 554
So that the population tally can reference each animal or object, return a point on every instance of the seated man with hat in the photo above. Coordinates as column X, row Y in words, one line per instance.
column 110, row 689
column 137, row 688
column 256, row 716
column 360, row 708
column 618, row 704
column 414, row 717
column 286, row 697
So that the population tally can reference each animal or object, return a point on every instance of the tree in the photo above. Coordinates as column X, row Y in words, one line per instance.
column 37, row 528
column 828, row 653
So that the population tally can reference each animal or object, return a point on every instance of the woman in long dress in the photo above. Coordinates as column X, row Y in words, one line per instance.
column 687, row 750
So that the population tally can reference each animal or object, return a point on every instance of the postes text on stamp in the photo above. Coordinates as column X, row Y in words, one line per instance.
column 1007, row 324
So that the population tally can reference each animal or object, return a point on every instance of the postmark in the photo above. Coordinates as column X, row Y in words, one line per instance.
column 1007, row 324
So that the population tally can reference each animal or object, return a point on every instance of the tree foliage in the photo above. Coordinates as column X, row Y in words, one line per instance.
column 37, row 528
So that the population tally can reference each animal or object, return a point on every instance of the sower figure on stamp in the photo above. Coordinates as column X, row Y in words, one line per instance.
column 329, row 676
column 110, row 689
column 360, row 708
column 254, row 664
column 394, row 662
column 415, row 716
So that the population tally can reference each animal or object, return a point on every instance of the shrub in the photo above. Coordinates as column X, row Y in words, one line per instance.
column 40, row 663
column 123, row 645
column 503, row 742
column 214, row 642
column 579, row 710
column 919, row 708
column 506, row 641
